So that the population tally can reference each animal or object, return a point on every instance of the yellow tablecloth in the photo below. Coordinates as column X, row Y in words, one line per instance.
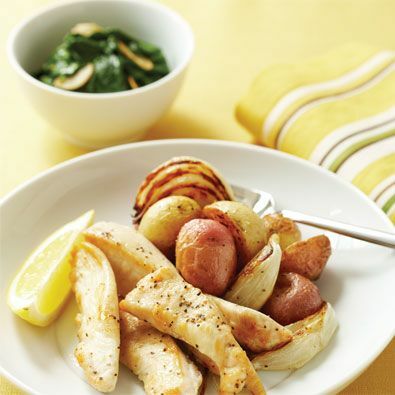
column 234, row 40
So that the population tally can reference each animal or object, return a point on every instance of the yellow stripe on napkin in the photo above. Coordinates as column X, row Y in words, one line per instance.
column 275, row 82
column 338, row 111
column 304, row 133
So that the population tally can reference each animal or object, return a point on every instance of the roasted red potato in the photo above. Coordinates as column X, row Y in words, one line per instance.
column 206, row 255
column 287, row 230
column 307, row 257
column 247, row 228
column 294, row 297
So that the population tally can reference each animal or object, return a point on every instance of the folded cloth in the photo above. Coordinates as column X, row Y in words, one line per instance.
column 337, row 111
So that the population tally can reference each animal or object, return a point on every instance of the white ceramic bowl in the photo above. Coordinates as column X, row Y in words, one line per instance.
column 99, row 119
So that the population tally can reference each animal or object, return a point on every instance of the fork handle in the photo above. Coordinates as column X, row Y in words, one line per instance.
column 358, row 232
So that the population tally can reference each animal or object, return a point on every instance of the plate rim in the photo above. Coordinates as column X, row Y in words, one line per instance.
column 352, row 375
column 124, row 147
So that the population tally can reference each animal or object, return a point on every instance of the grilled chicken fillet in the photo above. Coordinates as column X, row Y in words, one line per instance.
column 132, row 257
column 96, row 292
column 156, row 359
column 177, row 308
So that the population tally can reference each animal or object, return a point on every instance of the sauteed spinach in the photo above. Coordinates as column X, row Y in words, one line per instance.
column 99, row 60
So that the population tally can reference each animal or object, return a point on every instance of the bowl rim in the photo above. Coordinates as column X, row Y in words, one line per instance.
column 98, row 96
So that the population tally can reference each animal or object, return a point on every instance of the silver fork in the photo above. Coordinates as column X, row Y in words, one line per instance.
column 263, row 203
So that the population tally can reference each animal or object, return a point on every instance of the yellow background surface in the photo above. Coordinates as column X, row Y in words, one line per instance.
column 234, row 40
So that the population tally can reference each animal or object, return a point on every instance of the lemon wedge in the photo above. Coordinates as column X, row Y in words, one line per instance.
column 42, row 285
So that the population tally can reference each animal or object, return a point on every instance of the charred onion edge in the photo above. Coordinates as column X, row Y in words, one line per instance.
column 261, row 256
column 311, row 324
column 212, row 178
column 170, row 191
column 176, row 174
column 248, row 270
column 222, row 192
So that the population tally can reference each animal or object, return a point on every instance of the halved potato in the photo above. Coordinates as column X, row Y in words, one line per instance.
column 253, row 329
column 182, row 176
column 310, row 336
column 294, row 298
column 307, row 257
column 255, row 283
column 246, row 227
column 286, row 229
column 163, row 220
column 206, row 255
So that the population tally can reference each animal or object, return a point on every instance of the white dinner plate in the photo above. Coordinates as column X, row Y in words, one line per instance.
column 358, row 280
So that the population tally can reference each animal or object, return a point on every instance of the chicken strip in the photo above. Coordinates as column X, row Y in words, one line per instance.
column 177, row 308
column 253, row 329
column 132, row 257
column 156, row 359
column 96, row 293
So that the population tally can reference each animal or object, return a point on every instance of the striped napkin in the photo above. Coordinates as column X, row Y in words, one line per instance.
column 337, row 111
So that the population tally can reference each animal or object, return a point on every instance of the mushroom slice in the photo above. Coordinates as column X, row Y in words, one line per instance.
column 182, row 176
column 255, row 283
column 156, row 359
column 141, row 61
column 86, row 29
column 178, row 309
column 310, row 336
column 96, row 292
column 253, row 329
column 77, row 80
column 132, row 82
column 132, row 256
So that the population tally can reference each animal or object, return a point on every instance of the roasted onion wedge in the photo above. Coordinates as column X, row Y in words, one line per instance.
column 182, row 176
column 310, row 336
column 255, row 283
column 253, row 329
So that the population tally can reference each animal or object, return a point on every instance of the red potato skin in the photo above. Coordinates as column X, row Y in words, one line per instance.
column 307, row 257
column 294, row 297
column 206, row 255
